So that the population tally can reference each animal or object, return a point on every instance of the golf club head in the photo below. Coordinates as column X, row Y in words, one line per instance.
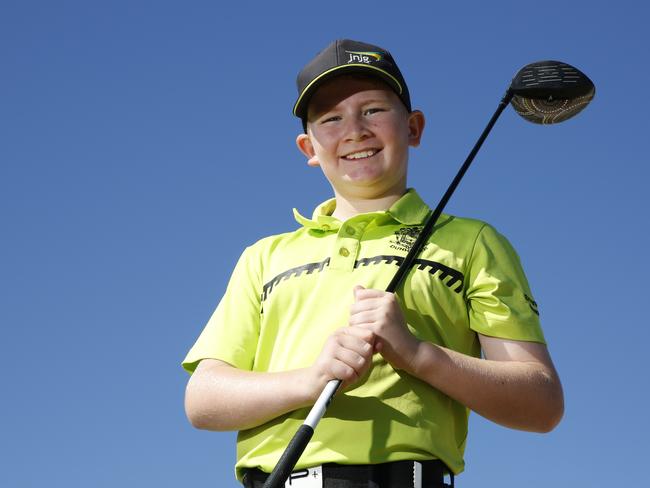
column 548, row 92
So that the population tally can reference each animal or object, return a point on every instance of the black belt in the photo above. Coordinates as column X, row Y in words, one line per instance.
column 398, row 474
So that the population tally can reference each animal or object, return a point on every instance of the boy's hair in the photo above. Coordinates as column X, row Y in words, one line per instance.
column 343, row 57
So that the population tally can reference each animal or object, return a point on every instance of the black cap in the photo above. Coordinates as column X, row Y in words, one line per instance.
column 343, row 57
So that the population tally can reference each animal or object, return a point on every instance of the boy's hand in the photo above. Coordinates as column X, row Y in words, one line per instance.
column 346, row 356
column 379, row 312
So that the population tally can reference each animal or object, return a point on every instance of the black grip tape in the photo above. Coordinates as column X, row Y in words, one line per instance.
column 289, row 457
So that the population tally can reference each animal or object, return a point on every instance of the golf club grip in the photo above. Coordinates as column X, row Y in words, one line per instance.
column 300, row 439
column 289, row 457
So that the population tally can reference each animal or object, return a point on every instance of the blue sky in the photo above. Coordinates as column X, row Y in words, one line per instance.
column 144, row 144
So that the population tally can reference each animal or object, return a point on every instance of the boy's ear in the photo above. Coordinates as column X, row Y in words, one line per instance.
column 307, row 148
column 416, row 127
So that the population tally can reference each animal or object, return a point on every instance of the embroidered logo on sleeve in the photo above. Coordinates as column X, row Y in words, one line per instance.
column 532, row 304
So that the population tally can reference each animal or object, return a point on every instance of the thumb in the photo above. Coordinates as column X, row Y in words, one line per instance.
column 357, row 289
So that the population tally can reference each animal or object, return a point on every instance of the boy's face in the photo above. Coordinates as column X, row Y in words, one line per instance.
column 359, row 133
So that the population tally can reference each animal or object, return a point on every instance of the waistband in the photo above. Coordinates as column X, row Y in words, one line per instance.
column 398, row 474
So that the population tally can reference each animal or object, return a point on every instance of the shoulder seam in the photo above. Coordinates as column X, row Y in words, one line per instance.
column 471, row 253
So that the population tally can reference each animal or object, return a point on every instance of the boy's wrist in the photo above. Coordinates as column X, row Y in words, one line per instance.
column 315, row 384
column 424, row 360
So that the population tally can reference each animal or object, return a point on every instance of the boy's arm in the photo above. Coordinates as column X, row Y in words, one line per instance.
column 222, row 397
column 516, row 385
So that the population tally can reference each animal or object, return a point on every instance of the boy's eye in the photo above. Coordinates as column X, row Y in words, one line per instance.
column 373, row 110
column 329, row 119
column 332, row 118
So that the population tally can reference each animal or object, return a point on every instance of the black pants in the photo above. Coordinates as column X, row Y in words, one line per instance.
column 398, row 474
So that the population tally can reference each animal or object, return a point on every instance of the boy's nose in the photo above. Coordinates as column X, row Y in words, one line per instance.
column 356, row 129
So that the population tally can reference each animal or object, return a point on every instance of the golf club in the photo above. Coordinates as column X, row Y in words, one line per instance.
column 545, row 92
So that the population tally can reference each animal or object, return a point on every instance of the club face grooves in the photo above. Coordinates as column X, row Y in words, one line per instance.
column 548, row 92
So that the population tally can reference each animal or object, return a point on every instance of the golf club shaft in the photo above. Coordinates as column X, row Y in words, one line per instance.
column 299, row 442
column 427, row 229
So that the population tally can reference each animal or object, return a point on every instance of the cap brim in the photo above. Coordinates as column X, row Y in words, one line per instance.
column 300, row 107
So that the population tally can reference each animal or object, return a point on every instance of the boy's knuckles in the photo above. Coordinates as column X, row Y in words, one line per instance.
column 347, row 374
column 368, row 335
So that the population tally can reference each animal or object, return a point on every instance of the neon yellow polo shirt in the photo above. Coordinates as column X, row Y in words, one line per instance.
column 289, row 292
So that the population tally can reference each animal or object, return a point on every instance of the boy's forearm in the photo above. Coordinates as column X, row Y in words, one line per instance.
column 525, row 395
column 220, row 397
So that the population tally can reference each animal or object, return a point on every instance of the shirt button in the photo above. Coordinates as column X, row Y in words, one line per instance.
column 344, row 252
column 350, row 231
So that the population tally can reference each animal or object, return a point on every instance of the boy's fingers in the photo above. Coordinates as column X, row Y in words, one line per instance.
column 356, row 290
column 351, row 358
column 354, row 343
column 342, row 371
column 351, row 353
column 365, row 305
column 362, row 318
column 361, row 293
column 357, row 338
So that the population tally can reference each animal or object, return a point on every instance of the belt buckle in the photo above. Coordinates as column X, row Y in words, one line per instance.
column 417, row 474
column 306, row 478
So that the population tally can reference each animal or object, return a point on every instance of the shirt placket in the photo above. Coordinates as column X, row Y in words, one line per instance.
column 347, row 245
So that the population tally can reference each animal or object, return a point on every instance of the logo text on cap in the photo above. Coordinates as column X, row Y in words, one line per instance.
column 363, row 57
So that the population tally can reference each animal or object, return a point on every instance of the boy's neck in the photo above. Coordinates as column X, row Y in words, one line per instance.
column 348, row 207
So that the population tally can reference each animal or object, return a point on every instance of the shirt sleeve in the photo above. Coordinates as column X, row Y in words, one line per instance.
column 232, row 333
column 500, row 302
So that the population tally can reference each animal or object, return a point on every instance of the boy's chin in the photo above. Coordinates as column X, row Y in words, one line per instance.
column 367, row 190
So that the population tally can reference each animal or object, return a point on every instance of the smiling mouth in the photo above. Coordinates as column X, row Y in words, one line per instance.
column 361, row 154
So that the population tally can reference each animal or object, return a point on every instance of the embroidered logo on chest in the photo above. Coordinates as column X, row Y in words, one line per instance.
column 405, row 238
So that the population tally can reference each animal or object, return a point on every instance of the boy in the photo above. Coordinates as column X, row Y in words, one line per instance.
column 306, row 307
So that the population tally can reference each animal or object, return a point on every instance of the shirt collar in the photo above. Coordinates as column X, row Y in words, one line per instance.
column 408, row 210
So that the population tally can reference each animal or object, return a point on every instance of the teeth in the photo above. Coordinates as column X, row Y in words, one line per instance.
column 361, row 154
